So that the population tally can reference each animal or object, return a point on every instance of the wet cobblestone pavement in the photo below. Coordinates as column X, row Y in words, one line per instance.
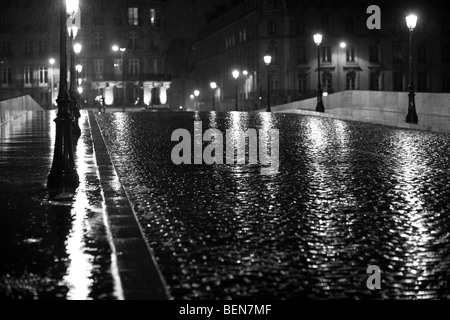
column 51, row 247
column 348, row 195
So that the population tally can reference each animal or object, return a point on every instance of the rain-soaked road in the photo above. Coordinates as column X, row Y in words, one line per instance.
column 348, row 195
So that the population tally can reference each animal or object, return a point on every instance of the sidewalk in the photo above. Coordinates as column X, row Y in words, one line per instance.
column 80, row 246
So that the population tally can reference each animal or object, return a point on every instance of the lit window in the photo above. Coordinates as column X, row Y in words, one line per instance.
column 118, row 66
column 351, row 54
column 152, row 17
column 6, row 76
column 98, row 68
column 28, row 76
column 43, row 76
column 326, row 54
column 133, row 16
column 351, row 81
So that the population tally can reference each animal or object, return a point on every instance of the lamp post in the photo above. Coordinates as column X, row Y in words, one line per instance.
column 77, row 47
column 63, row 173
column 342, row 45
column 411, row 22
column 236, row 74
column 79, row 69
column 116, row 48
column 196, row 95
column 268, row 61
column 320, row 107
column 52, row 82
column 213, row 86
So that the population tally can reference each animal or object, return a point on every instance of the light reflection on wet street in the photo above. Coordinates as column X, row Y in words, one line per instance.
column 348, row 195
column 51, row 247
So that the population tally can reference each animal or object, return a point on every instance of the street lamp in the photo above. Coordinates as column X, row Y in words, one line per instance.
column 63, row 173
column 52, row 82
column 411, row 22
column 196, row 95
column 320, row 107
column 213, row 86
column 236, row 74
column 342, row 45
column 268, row 61
column 72, row 8
column 116, row 48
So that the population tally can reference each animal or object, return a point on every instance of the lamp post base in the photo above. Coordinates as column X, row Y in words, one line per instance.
column 412, row 114
column 63, row 172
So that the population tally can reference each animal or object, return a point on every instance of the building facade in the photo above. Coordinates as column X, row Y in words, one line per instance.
column 134, row 76
column 28, row 40
column 137, row 31
column 352, row 56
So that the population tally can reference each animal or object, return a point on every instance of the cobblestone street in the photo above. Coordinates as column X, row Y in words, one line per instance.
column 348, row 195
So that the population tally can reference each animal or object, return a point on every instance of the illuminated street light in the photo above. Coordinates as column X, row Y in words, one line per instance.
column 343, row 45
column 320, row 107
column 116, row 48
column 236, row 75
column 196, row 95
column 411, row 22
column 268, row 61
column 213, row 86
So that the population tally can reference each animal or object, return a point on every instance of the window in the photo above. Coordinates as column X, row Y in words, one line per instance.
column 244, row 35
column 327, row 81
column 98, row 41
column 351, row 81
column 28, row 49
column 43, row 76
column 28, row 76
column 98, row 68
column 153, row 17
column 422, row 82
column 133, row 16
column 351, row 54
column 375, row 81
column 422, row 54
column 6, row 76
column 301, row 58
column 133, row 41
column 326, row 54
column 398, row 54
column 118, row 67
column 446, row 53
column 272, row 27
column 373, row 53
column 274, row 54
column 349, row 25
column 398, row 81
column 134, row 67
column 302, row 82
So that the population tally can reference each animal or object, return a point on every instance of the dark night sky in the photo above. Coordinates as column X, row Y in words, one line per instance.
column 187, row 16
